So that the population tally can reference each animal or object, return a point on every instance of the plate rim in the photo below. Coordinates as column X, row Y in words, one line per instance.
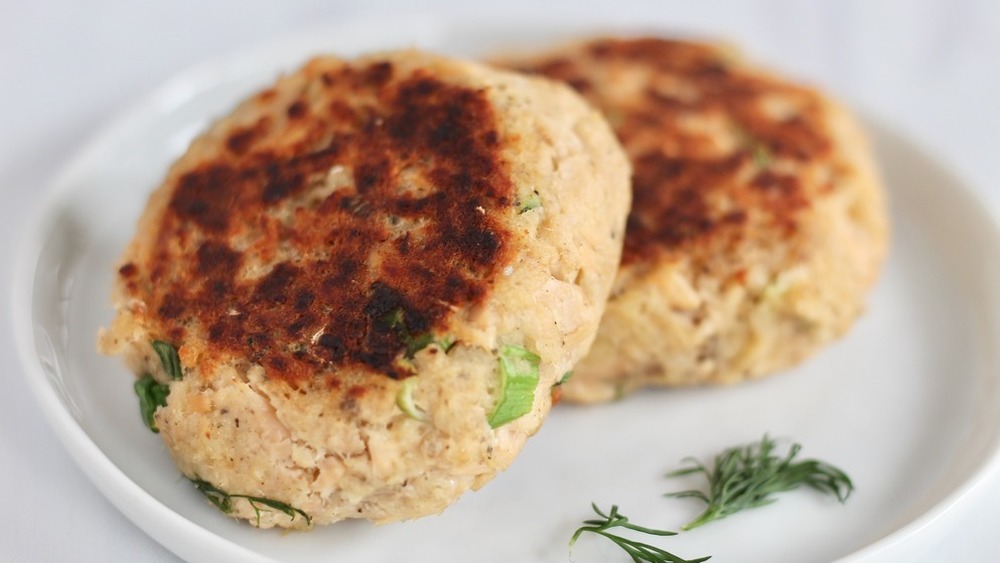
column 951, row 504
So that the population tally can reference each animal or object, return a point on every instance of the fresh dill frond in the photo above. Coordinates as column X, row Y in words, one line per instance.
column 169, row 358
column 224, row 501
column 639, row 552
column 152, row 395
column 749, row 476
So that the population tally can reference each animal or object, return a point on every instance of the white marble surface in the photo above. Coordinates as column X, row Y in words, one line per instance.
column 929, row 67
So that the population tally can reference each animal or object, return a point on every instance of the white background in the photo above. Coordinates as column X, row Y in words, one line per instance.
column 931, row 68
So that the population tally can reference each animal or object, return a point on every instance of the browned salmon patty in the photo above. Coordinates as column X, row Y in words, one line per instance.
column 372, row 273
column 758, row 222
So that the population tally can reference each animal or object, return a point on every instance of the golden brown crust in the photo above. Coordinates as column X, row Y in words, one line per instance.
column 360, row 270
column 691, row 194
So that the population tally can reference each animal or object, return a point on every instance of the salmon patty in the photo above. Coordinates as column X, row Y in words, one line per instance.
column 758, row 222
column 352, row 296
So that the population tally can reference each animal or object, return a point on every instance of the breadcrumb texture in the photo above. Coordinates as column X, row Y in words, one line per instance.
column 313, row 253
column 758, row 224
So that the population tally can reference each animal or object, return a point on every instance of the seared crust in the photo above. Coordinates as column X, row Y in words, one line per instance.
column 418, row 226
column 758, row 222
column 313, row 254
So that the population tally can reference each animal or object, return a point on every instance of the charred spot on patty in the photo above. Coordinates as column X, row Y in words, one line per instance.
column 400, row 232
column 242, row 139
column 297, row 109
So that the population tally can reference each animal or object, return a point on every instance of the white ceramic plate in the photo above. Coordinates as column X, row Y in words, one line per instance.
column 907, row 404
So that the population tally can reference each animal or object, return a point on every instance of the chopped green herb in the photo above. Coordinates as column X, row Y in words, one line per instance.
column 152, row 394
column 169, row 358
column 396, row 320
column 224, row 501
column 758, row 149
column 638, row 551
column 619, row 392
column 220, row 499
column 748, row 476
column 446, row 343
column 417, row 343
column 565, row 377
column 761, row 154
column 404, row 400
column 533, row 201
column 518, row 380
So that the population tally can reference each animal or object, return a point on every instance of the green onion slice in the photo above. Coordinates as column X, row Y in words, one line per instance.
column 404, row 400
column 518, row 380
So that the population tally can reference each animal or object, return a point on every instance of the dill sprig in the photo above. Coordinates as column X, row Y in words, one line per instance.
column 749, row 476
column 224, row 501
column 638, row 551
column 152, row 395
column 169, row 358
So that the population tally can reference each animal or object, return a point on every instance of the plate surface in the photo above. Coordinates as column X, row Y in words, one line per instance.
column 906, row 403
